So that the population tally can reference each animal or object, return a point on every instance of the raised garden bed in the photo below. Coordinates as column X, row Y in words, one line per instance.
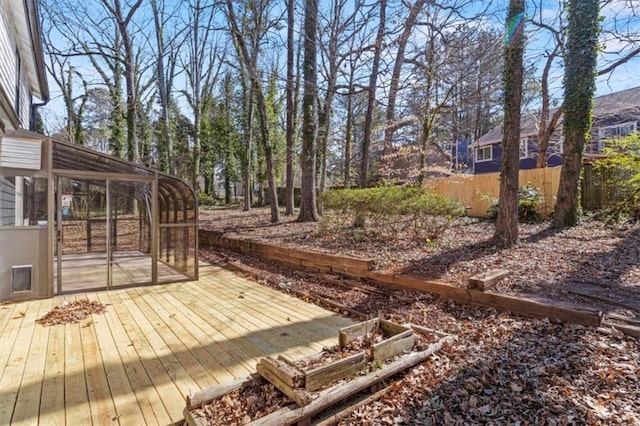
column 367, row 353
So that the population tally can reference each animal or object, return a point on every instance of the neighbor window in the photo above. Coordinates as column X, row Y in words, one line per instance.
column 623, row 129
column 484, row 153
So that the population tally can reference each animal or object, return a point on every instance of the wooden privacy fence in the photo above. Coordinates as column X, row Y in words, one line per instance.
column 477, row 191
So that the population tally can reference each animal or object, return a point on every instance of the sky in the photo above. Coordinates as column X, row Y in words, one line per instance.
column 616, row 13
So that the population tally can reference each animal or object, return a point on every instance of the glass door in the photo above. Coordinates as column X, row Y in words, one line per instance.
column 130, row 232
column 82, row 232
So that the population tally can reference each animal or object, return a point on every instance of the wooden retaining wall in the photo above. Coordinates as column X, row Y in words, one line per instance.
column 311, row 261
column 363, row 268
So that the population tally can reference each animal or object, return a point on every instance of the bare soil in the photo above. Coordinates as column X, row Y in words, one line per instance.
column 593, row 263
column 503, row 369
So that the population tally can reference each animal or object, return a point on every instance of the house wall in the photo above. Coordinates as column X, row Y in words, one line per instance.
column 24, row 112
column 9, row 62
column 7, row 202
column 491, row 166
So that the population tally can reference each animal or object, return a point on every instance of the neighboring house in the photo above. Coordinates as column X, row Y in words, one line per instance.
column 616, row 114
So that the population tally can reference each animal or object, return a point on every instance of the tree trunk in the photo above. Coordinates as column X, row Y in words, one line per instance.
column 133, row 150
column 308, row 204
column 290, row 130
column 373, row 81
column 546, row 127
column 248, row 149
column 580, row 72
column 506, row 234
column 165, row 144
column 348, row 135
column 250, row 63
column 394, row 86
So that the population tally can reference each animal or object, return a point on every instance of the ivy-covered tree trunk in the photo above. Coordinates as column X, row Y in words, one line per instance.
column 308, row 206
column 579, row 87
column 290, row 129
column 506, row 234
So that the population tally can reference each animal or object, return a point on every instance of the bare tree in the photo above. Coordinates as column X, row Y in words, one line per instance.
column 373, row 83
column 308, row 205
column 336, row 31
column 166, row 61
column 506, row 234
column 403, row 39
column 201, row 70
column 248, row 59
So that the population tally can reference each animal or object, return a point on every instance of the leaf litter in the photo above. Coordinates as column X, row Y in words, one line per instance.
column 503, row 369
column 71, row 312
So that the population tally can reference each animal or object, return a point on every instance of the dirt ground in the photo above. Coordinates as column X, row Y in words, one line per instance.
column 503, row 369
column 593, row 263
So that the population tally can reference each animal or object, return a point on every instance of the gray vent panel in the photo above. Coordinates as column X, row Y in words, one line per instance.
column 21, row 278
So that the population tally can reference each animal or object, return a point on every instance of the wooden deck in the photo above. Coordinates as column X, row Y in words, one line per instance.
column 88, row 271
column 135, row 364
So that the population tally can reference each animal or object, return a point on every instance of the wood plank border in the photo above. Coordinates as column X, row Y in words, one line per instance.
column 518, row 305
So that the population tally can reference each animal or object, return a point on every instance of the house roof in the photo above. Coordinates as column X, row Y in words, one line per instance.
column 618, row 107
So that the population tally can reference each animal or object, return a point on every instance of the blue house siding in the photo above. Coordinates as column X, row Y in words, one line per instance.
column 493, row 165
column 488, row 166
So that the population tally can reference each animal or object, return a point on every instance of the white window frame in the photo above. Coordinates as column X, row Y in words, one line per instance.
column 561, row 145
column 483, row 148
column 524, row 143
column 618, row 128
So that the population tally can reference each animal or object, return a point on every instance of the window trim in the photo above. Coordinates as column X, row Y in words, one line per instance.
column 477, row 151
column 633, row 124
column 525, row 142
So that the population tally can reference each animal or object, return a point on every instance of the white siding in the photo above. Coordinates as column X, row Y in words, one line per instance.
column 8, row 64
column 7, row 202
column 25, row 105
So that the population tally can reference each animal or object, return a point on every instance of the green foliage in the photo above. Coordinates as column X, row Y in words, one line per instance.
column 529, row 200
column 620, row 179
column 206, row 199
column 389, row 210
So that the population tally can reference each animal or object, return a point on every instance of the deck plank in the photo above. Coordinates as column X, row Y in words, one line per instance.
column 76, row 398
column 169, row 395
column 227, row 281
column 258, row 303
column 218, row 361
column 28, row 400
column 128, row 412
column 12, row 328
column 188, row 370
column 252, row 348
column 229, row 355
column 52, row 398
column 147, row 398
column 171, row 333
column 264, row 320
column 154, row 345
column 103, row 373
column 15, row 360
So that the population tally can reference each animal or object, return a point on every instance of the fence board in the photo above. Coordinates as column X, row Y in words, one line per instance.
column 477, row 191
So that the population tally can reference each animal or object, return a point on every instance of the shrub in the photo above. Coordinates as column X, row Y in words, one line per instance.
column 620, row 173
column 206, row 199
column 389, row 210
column 529, row 200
